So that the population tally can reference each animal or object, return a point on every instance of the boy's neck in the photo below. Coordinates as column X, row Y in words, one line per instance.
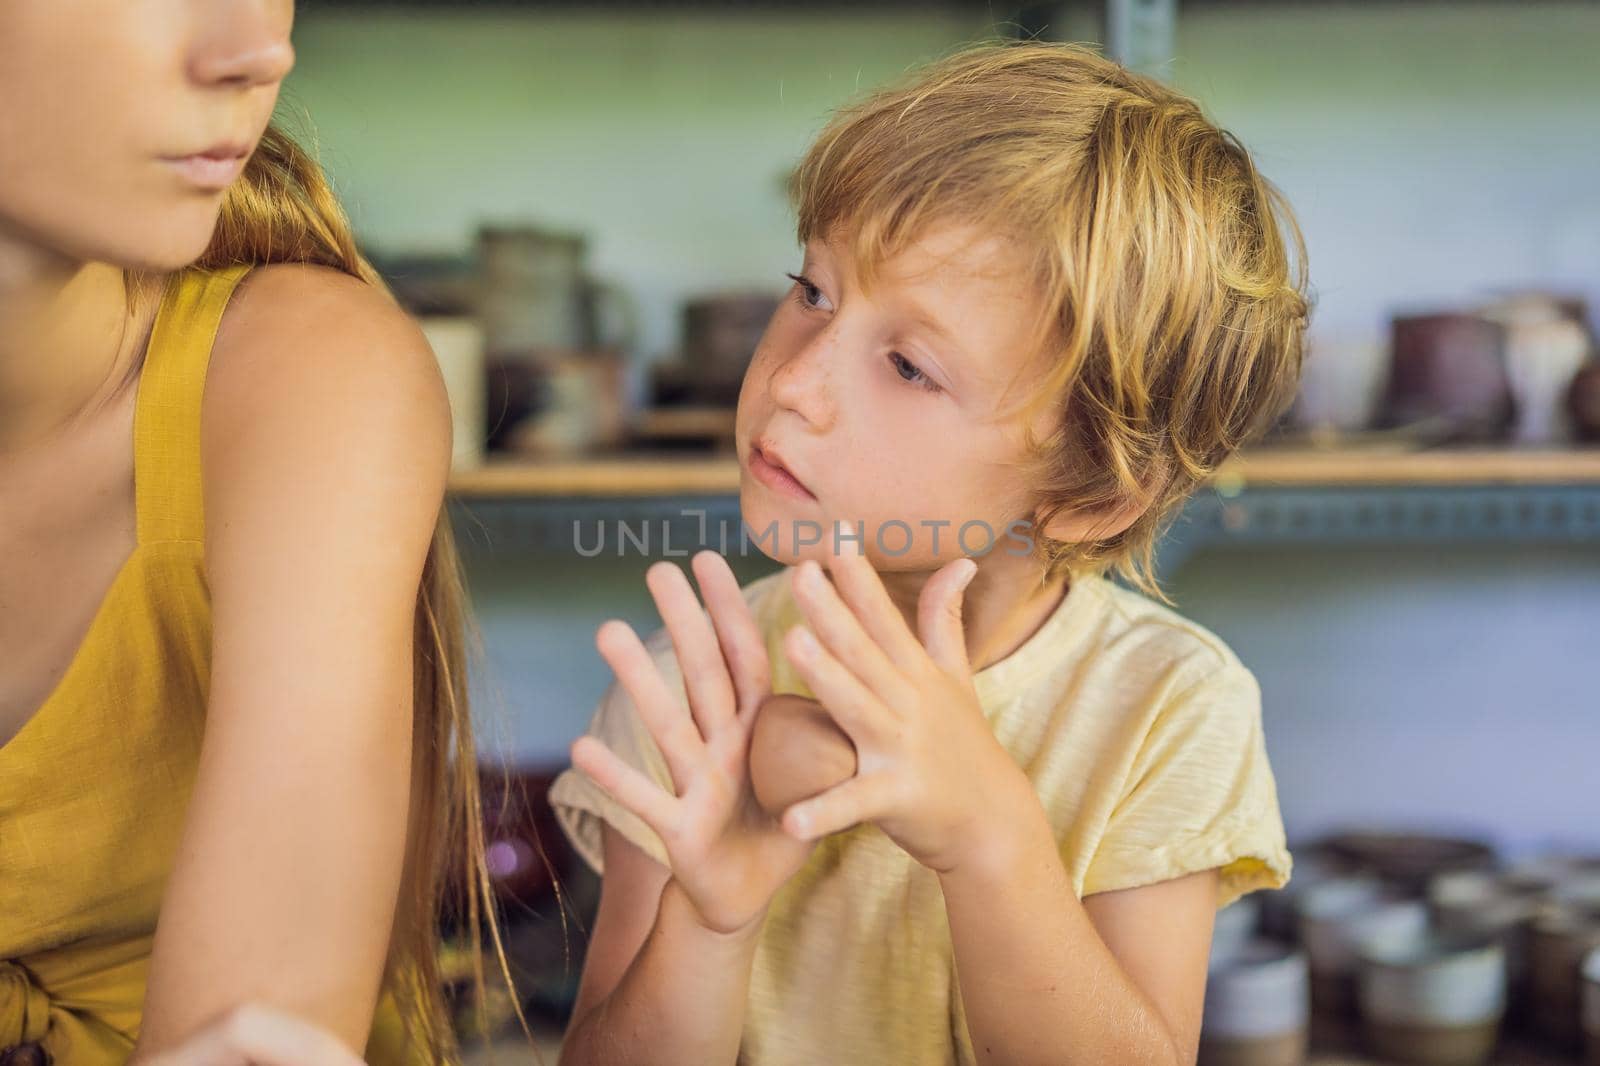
column 1006, row 603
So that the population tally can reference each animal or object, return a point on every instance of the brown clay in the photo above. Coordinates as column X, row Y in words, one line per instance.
column 1435, row 1045
column 1288, row 1049
column 1560, row 941
column 1334, row 995
column 796, row 752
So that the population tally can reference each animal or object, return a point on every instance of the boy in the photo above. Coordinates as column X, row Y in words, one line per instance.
column 1042, row 299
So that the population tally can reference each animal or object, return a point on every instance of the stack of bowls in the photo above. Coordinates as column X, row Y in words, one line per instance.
column 1591, row 1005
column 1258, row 1006
column 1335, row 917
column 1235, row 926
column 1432, row 998
column 1565, row 931
column 1501, row 907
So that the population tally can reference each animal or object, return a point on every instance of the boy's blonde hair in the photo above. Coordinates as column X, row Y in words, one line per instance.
column 1172, row 330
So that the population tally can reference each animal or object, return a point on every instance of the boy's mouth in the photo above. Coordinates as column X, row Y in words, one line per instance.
column 768, row 467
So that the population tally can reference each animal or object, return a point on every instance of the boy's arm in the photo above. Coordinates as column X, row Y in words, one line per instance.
column 657, row 985
column 1039, row 982
column 1119, row 977
column 668, row 972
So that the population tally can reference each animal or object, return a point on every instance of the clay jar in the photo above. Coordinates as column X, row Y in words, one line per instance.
column 1432, row 998
column 1335, row 916
column 1562, row 936
column 796, row 752
column 1591, row 1005
column 1499, row 906
column 1258, row 1006
column 1236, row 925
column 1583, row 401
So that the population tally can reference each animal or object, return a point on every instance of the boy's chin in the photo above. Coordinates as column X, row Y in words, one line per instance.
column 775, row 527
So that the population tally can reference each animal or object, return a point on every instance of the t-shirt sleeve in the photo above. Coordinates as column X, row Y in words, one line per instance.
column 581, row 806
column 1200, row 796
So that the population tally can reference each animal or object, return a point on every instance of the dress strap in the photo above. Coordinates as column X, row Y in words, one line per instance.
column 166, row 419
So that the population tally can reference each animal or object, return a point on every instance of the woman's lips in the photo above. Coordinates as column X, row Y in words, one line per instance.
column 776, row 477
column 209, row 170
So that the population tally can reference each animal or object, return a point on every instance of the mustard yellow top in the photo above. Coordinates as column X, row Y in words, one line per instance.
column 1141, row 733
column 94, row 787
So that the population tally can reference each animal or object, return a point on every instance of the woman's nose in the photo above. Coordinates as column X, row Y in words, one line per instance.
column 244, row 43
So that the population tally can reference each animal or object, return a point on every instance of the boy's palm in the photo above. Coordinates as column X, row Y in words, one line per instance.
column 728, row 856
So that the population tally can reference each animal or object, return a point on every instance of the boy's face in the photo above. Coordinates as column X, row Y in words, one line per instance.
column 881, row 402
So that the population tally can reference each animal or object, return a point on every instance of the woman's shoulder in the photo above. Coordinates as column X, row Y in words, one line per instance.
column 313, row 358
column 317, row 332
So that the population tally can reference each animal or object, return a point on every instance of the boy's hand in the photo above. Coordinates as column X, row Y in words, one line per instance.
column 728, row 856
column 931, row 773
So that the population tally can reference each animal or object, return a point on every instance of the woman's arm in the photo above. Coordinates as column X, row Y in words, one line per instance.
column 326, row 443
column 254, row 1035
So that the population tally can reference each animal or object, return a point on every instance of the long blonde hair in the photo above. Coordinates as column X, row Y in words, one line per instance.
column 1173, row 316
column 282, row 210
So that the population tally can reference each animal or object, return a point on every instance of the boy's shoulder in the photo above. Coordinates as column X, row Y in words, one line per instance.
column 1113, row 617
column 1155, row 634
column 1125, row 617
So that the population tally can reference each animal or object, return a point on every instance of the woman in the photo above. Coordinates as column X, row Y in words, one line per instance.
column 231, row 692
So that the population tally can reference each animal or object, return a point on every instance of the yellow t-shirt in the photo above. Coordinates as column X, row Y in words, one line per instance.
column 1141, row 733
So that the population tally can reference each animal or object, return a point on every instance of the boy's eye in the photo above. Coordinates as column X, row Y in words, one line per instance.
column 908, row 370
column 809, row 295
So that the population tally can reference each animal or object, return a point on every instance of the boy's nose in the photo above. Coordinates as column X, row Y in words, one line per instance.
column 802, row 383
column 243, row 44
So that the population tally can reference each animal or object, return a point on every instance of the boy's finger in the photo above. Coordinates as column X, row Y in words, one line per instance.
column 659, row 708
column 848, row 702
column 860, row 799
column 860, row 586
column 654, row 806
column 705, row 671
column 841, row 632
column 742, row 644
column 939, row 616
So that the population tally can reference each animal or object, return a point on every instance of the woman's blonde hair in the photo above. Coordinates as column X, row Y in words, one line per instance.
column 282, row 210
column 1173, row 324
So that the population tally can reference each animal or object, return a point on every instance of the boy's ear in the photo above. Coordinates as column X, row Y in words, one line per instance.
column 1077, row 526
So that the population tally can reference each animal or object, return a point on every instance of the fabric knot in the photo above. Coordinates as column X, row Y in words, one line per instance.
column 24, row 1008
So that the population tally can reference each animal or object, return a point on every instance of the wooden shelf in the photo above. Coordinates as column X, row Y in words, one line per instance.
column 623, row 475
column 1299, row 467
column 1435, row 467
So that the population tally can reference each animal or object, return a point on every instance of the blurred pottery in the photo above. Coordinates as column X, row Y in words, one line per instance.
column 1258, row 1007
column 1335, row 917
column 1431, row 998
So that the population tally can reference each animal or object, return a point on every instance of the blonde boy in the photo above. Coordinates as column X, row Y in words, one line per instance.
column 1042, row 298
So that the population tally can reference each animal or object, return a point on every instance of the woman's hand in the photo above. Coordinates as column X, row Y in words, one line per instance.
column 932, row 775
column 727, row 855
column 255, row 1035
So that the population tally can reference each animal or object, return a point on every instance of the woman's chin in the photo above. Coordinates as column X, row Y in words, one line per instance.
column 158, row 253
